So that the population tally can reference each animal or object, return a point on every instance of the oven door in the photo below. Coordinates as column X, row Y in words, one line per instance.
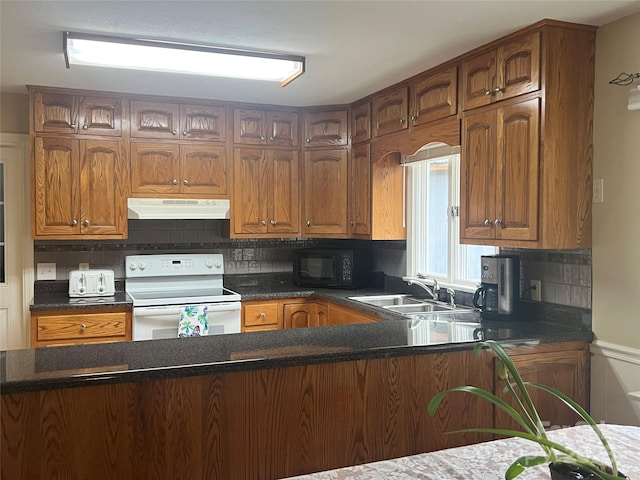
column 152, row 323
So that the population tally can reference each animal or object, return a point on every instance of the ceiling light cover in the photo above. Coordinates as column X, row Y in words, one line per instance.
column 165, row 56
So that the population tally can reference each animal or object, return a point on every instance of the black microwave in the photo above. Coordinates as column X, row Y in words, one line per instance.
column 332, row 268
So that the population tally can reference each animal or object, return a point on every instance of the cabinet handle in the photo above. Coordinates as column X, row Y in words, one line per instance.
column 308, row 223
column 488, row 92
column 85, row 126
column 74, row 222
column 83, row 325
column 273, row 222
column 498, row 222
column 185, row 181
column 487, row 222
column 85, row 223
column 308, row 140
column 175, row 181
column 402, row 120
column 175, row 132
column 263, row 222
column 498, row 90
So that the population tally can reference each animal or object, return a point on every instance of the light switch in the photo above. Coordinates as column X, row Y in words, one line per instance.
column 598, row 190
column 46, row 271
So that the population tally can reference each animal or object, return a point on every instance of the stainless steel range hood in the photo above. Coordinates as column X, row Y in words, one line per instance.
column 177, row 208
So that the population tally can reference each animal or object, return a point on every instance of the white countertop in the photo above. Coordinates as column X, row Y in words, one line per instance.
column 489, row 460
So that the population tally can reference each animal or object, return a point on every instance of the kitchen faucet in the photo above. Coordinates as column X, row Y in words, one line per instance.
column 433, row 291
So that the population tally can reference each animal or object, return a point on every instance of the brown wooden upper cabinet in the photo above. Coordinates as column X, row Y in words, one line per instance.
column 172, row 168
column 429, row 97
column 507, row 71
column 325, row 193
column 326, row 128
column 84, row 115
column 360, row 190
column 265, row 127
column 178, row 121
column 265, row 193
column 79, row 188
column 499, row 176
column 361, row 122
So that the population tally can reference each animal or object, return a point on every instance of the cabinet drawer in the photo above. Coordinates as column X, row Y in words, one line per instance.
column 81, row 326
column 261, row 315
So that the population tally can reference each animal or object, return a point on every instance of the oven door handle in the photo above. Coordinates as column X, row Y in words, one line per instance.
column 176, row 309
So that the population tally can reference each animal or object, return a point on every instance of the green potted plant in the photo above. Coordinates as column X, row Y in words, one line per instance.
column 564, row 463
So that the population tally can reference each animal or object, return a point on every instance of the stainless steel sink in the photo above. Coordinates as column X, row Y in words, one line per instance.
column 387, row 300
column 421, row 308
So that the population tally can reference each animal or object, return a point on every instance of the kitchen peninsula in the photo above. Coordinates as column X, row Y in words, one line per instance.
column 264, row 404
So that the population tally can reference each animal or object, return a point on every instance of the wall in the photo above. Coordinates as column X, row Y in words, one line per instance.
column 616, row 228
column 14, row 113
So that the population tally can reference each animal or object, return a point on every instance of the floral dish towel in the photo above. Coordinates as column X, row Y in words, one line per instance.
column 193, row 321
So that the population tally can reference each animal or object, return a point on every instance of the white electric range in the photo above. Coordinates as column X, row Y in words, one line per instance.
column 161, row 286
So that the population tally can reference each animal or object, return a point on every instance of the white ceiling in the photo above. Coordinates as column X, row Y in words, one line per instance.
column 353, row 48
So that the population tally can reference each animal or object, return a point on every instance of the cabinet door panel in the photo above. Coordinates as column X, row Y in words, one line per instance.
column 55, row 187
column 517, row 171
column 203, row 170
column 202, row 122
column 154, row 120
column 390, row 112
column 478, row 80
column 103, row 184
column 434, row 97
column 283, row 128
column 284, row 200
column 360, row 190
column 251, row 175
column 325, row 129
column 100, row 116
column 361, row 123
column 303, row 315
column 155, row 168
column 518, row 67
column 55, row 112
column 249, row 127
column 477, row 176
column 325, row 187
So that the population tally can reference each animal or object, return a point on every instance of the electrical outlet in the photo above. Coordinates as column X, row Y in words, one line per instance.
column 598, row 190
column 536, row 290
column 46, row 271
column 83, row 266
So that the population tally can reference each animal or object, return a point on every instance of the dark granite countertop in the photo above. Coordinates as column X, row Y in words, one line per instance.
column 81, row 365
column 61, row 301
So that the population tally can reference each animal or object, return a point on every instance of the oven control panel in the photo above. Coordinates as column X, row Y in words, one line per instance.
column 172, row 265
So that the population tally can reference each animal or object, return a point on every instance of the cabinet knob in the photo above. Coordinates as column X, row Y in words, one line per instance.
column 184, row 132
column 272, row 138
column 175, row 181
column 85, row 127
column 414, row 117
column 83, row 325
column 175, row 132
column 498, row 89
column 263, row 222
column 402, row 120
column 308, row 223
column 262, row 315
column 308, row 140
column 498, row 222
column 487, row 222
column 263, row 138
column 185, row 181
column 273, row 222
column 488, row 92
column 85, row 223
column 74, row 222
column 73, row 125
column 352, row 223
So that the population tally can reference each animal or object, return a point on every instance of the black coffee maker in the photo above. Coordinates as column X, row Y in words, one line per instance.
column 499, row 294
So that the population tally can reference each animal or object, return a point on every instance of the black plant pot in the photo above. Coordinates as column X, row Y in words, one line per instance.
column 564, row 471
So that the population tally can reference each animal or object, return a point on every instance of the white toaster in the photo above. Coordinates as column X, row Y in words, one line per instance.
column 91, row 283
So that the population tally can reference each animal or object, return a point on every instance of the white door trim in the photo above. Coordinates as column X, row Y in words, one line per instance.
column 21, row 143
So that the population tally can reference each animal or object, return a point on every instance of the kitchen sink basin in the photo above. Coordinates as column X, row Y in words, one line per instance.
column 388, row 300
column 421, row 308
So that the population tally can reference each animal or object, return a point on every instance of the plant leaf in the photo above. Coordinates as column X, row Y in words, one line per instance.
column 517, row 467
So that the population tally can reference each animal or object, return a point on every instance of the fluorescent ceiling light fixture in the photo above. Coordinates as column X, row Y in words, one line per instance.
column 166, row 56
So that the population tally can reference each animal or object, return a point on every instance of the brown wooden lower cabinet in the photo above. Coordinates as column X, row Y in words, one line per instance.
column 91, row 325
column 339, row 315
column 304, row 314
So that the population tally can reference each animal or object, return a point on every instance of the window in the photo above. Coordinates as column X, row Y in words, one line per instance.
column 433, row 226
